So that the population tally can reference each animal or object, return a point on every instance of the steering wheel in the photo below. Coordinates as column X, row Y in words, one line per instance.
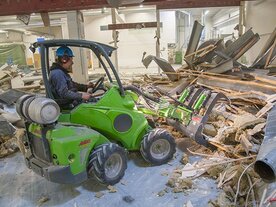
column 98, row 85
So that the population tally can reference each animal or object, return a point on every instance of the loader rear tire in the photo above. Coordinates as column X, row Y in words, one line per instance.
column 158, row 146
column 108, row 163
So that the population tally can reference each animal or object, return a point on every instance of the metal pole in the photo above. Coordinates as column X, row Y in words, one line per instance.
column 114, row 36
column 241, row 17
column 158, row 36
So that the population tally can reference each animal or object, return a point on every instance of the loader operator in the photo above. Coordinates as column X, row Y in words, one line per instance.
column 65, row 91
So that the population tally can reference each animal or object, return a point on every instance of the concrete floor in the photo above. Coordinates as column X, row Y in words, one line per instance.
column 19, row 186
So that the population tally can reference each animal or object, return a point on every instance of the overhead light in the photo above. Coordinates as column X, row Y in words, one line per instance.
column 141, row 5
column 206, row 12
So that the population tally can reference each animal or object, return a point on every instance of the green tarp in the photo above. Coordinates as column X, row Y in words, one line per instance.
column 12, row 54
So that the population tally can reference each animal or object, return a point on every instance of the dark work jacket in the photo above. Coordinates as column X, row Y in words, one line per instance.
column 62, row 85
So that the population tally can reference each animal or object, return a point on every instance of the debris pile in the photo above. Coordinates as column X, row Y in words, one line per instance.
column 15, row 81
column 23, row 78
column 235, row 128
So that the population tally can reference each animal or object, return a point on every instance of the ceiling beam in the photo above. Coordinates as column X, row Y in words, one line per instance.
column 20, row 7
column 197, row 4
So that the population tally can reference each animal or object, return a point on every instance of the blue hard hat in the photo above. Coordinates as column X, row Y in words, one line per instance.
column 64, row 51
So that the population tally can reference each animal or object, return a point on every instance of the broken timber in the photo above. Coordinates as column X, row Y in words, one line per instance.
column 236, row 85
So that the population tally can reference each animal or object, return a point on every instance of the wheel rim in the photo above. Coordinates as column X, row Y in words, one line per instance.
column 160, row 149
column 113, row 165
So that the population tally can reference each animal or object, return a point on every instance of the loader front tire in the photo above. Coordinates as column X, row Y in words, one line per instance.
column 158, row 146
column 108, row 163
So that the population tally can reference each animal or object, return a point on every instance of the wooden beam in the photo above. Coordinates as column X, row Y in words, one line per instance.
column 236, row 85
column 137, row 25
column 196, row 4
column 45, row 18
column 20, row 7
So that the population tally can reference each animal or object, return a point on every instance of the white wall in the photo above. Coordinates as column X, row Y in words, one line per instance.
column 225, row 21
column 55, row 32
column 7, row 37
column 133, row 42
column 261, row 16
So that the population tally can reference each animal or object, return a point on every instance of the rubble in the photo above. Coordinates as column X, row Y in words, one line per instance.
column 14, row 77
column 235, row 128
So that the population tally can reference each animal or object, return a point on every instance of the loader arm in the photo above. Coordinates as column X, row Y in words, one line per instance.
column 187, row 114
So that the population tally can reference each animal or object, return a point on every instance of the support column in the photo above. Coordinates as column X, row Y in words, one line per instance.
column 241, row 17
column 76, row 31
column 158, row 36
column 115, row 38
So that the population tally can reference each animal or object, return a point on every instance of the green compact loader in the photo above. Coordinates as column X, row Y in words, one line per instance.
column 66, row 153
column 90, row 137
column 113, row 114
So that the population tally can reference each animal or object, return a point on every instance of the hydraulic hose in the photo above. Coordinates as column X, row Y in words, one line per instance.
column 141, row 93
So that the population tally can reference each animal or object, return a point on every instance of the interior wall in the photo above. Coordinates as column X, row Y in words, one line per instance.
column 224, row 22
column 9, row 36
column 133, row 42
column 53, row 33
column 261, row 16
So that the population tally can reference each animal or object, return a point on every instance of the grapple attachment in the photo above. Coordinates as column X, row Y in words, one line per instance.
column 201, row 102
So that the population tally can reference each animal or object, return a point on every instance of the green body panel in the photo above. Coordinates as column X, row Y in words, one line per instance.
column 101, row 115
column 66, row 117
column 70, row 145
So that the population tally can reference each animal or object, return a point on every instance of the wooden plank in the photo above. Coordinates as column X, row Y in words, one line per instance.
column 17, row 82
column 5, row 79
column 264, row 110
column 201, row 50
column 31, row 78
column 5, row 67
column 3, row 74
column 245, row 142
column 137, row 25
column 195, row 4
column 236, row 85
column 264, row 78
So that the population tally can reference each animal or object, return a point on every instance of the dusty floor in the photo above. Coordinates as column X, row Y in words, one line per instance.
column 139, row 187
